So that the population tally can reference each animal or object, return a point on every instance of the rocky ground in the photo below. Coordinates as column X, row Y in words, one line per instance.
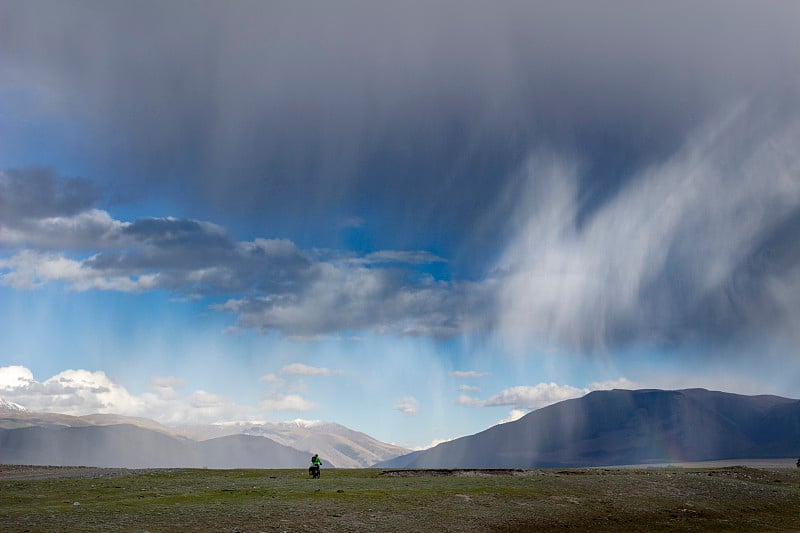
column 605, row 499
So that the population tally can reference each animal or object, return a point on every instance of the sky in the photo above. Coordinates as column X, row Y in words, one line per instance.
column 416, row 219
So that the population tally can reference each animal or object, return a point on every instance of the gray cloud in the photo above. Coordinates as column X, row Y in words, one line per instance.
column 402, row 256
column 698, row 246
column 355, row 299
column 272, row 284
column 42, row 193
column 643, row 215
column 41, row 209
column 376, row 110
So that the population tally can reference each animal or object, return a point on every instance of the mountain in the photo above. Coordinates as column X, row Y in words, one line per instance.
column 337, row 445
column 10, row 419
column 129, row 446
column 627, row 427
column 6, row 406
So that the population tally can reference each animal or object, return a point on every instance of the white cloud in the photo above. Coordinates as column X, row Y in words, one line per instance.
column 408, row 405
column 432, row 444
column 514, row 414
column 30, row 270
column 528, row 397
column 619, row 383
column 286, row 402
column 15, row 377
column 468, row 388
column 468, row 374
column 303, row 423
column 91, row 229
column 300, row 369
column 74, row 392
column 536, row 396
column 80, row 392
column 273, row 380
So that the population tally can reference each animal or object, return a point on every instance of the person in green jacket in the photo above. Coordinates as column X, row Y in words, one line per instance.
column 315, row 464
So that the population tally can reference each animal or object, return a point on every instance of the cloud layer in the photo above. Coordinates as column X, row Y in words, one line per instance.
column 699, row 246
column 81, row 392
column 358, row 109
column 272, row 284
column 589, row 175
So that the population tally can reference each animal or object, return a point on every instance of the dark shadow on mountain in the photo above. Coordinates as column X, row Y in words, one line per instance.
column 623, row 427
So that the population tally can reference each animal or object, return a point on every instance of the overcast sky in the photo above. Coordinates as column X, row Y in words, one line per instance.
column 414, row 219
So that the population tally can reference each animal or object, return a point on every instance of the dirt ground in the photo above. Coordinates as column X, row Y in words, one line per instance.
column 734, row 498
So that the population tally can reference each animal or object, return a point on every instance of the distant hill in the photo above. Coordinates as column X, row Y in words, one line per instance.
column 627, row 427
column 338, row 445
column 10, row 419
column 129, row 446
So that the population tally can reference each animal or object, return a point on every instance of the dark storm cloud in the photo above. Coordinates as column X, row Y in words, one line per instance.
column 425, row 124
column 199, row 257
column 41, row 209
column 40, row 193
column 168, row 232
column 383, row 110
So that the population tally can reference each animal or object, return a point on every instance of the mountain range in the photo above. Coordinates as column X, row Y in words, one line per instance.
column 623, row 427
column 603, row 428
column 129, row 446
column 28, row 437
column 339, row 445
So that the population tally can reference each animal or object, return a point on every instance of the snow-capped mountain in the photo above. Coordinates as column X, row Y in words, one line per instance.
column 337, row 445
column 5, row 405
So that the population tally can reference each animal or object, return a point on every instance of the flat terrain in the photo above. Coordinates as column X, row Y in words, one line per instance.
column 732, row 498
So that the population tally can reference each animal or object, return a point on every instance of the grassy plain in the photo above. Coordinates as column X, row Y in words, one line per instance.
column 643, row 499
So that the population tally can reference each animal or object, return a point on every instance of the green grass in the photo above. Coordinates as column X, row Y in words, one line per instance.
column 728, row 499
